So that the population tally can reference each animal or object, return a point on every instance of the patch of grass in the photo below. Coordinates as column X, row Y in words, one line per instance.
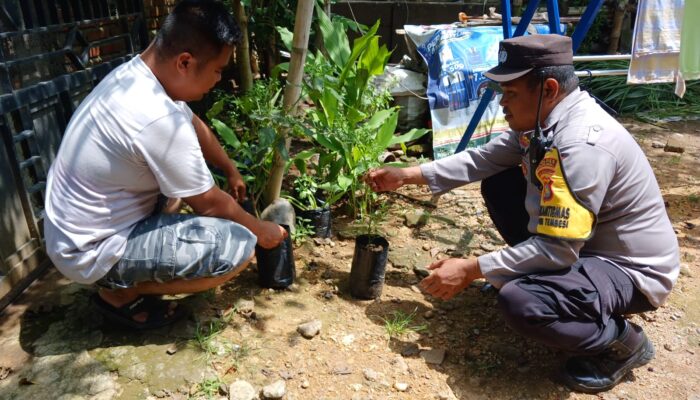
column 399, row 324
column 674, row 160
column 205, row 337
column 694, row 198
column 208, row 388
column 649, row 103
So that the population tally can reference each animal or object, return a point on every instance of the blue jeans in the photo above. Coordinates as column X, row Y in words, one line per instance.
column 165, row 247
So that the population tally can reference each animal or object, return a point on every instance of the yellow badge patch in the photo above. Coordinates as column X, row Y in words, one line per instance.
column 561, row 213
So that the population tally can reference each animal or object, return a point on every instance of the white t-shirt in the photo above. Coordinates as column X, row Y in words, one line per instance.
column 126, row 143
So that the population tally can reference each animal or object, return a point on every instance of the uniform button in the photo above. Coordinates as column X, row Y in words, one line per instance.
column 597, row 128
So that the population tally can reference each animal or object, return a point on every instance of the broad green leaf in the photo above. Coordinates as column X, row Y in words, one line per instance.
column 386, row 132
column 216, row 109
column 344, row 182
column 359, row 45
column 378, row 119
column 266, row 137
column 282, row 150
column 335, row 39
column 287, row 37
column 329, row 143
column 411, row 135
column 226, row 133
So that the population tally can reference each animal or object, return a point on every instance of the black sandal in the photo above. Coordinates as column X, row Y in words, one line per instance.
column 156, row 308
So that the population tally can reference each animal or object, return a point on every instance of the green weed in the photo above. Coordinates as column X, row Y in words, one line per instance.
column 694, row 198
column 674, row 160
column 399, row 324
column 208, row 388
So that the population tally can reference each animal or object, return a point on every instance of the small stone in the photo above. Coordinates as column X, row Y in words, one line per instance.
column 171, row 350
column 274, row 390
column 433, row 356
column 241, row 390
column 657, row 145
column 280, row 212
column 371, row 375
column 487, row 247
column 415, row 289
column 426, row 246
column 341, row 369
column 356, row 387
column 429, row 314
column 669, row 347
column 400, row 386
column 673, row 145
column 410, row 350
column 305, row 384
column 685, row 270
column 348, row 339
column 316, row 253
column 421, row 272
column 416, row 218
column 434, row 252
column 244, row 306
column 400, row 364
column 310, row 329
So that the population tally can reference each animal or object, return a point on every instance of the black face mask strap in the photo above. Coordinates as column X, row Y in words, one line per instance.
column 536, row 147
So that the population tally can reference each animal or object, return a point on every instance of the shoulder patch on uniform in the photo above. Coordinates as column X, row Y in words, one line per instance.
column 562, row 215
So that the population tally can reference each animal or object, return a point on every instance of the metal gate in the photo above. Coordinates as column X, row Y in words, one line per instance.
column 52, row 53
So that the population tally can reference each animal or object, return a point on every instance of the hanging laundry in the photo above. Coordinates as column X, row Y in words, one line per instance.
column 656, row 44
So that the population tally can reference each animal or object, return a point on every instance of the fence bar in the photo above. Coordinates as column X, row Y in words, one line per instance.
column 603, row 57
column 604, row 72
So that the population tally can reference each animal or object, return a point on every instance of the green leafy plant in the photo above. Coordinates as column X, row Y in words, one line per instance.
column 305, row 192
column 209, row 387
column 400, row 323
column 351, row 121
column 302, row 230
column 694, row 198
column 250, row 127
column 206, row 337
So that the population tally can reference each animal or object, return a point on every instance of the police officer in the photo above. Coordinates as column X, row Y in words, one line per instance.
column 577, row 202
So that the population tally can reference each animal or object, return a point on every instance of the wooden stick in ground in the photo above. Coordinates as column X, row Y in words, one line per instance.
column 292, row 91
column 243, row 48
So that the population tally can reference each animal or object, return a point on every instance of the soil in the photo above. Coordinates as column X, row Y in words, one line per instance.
column 354, row 356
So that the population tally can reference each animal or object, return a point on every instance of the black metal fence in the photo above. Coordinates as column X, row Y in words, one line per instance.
column 52, row 53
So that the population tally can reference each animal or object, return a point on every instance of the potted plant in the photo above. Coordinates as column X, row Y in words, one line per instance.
column 310, row 204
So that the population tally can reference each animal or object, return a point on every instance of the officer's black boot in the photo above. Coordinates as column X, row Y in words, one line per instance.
column 593, row 374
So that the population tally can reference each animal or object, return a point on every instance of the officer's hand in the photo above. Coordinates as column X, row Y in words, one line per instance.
column 385, row 179
column 269, row 234
column 450, row 276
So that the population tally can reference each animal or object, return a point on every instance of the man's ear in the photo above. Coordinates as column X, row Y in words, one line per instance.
column 551, row 89
column 184, row 62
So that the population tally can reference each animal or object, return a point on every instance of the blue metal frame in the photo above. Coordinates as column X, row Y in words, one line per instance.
column 553, row 11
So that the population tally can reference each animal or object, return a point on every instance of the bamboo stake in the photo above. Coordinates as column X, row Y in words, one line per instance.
column 292, row 90
column 243, row 48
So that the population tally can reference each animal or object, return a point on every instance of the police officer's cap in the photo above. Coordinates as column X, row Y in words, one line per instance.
column 519, row 55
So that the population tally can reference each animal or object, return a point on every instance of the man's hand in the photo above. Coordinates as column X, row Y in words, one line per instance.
column 269, row 234
column 450, row 276
column 236, row 185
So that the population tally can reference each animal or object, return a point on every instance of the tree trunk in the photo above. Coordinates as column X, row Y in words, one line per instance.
column 243, row 49
column 292, row 90
column 618, row 17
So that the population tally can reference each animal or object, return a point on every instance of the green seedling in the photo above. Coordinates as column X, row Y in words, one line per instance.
column 400, row 323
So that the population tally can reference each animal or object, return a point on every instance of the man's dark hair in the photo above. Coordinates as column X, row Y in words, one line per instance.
column 199, row 27
column 564, row 74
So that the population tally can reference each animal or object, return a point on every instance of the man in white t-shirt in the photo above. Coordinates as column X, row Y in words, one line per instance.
column 131, row 140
